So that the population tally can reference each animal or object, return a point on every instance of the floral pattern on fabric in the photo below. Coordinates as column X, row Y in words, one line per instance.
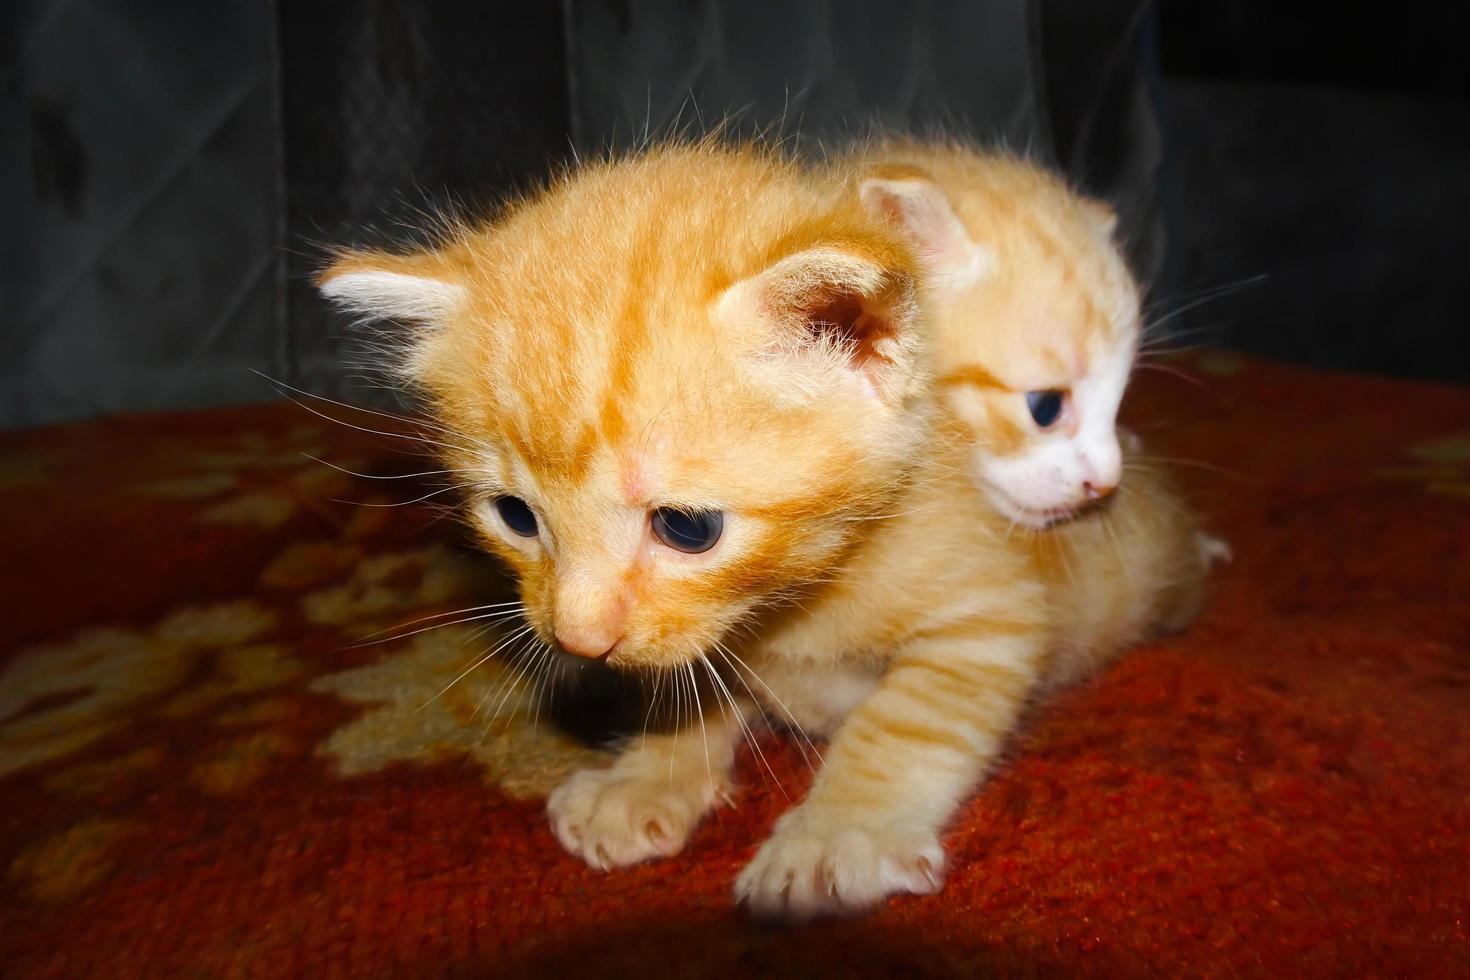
column 1441, row 467
column 439, row 697
column 56, row 699
column 224, row 752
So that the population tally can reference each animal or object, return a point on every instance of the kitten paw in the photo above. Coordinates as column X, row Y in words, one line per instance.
column 611, row 819
column 815, row 866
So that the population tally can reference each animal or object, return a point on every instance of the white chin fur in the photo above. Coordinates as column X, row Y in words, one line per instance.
column 1025, row 516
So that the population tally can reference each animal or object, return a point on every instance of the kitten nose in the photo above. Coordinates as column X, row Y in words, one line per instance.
column 592, row 644
column 590, row 615
column 1102, row 467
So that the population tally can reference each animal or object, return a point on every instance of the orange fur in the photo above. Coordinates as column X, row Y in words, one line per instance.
column 1026, row 285
column 711, row 328
column 591, row 343
column 1051, row 302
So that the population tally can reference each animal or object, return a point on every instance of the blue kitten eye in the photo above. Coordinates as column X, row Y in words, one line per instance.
column 689, row 532
column 516, row 515
column 1045, row 406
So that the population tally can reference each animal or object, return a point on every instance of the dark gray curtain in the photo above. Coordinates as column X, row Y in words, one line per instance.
column 140, row 184
column 816, row 71
column 171, row 170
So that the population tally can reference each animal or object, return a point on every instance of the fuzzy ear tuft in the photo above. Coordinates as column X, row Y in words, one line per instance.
column 836, row 304
column 916, row 206
column 391, row 287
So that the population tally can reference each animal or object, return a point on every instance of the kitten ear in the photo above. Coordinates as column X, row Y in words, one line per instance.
column 1100, row 215
column 413, row 288
column 916, row 206
column 844, row 305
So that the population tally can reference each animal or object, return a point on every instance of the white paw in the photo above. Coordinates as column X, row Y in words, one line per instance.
column 814, row 865
column 1213, row 550
column 610, row 819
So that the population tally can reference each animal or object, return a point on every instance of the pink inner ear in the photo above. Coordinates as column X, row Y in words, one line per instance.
column 893, row 209
column 924, row 213
column 846, row 318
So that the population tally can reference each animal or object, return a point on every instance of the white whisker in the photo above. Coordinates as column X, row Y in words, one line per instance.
column 405, row 503
column 514, row 680
column 496, row 649
column 544, row 661
column 727, row 653
column 745, row 732
column 373, row 640
column 676, row 679
column 658, row 679
column 375, row 476
column 1177, row 461
column 703, row 732
column 350, row 407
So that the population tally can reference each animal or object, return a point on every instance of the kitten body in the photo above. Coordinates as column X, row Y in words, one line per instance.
column 1031, row 295
column 708, row 330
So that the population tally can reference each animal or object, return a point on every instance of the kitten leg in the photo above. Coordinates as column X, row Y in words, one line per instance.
column 814, row 698
column 648, row 802
column 896, row 772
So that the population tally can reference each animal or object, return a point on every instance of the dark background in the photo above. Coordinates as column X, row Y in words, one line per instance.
column 1326, row 148
column 1292, row 177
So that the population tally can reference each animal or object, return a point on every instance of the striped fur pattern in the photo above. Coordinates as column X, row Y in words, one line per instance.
column 1029, row 291
column 711, row 328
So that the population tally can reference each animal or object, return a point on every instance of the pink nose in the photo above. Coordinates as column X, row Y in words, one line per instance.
column 590, row 644
column 1094, row 492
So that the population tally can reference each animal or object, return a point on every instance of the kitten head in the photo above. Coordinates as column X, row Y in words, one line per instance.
column 1037, row 323
column 674, row 386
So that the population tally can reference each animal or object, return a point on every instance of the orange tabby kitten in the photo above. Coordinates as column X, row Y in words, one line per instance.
column 691, row 395
column 1038, row 325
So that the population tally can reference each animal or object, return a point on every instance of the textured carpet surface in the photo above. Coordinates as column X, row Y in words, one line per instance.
column 210, row 767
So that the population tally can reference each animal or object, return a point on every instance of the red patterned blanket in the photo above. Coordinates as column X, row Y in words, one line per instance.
column 204, row 771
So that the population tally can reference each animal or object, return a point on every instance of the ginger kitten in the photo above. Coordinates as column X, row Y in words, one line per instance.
column 1037, row 317
column 1037, row 327
column 690, row 396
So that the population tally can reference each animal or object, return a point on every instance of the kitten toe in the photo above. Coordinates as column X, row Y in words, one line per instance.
column 806, row 870
column 612, row 820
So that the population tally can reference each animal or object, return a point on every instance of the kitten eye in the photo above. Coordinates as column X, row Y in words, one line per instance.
column 1045, row 406
column 691, row 533
column 516, row 515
